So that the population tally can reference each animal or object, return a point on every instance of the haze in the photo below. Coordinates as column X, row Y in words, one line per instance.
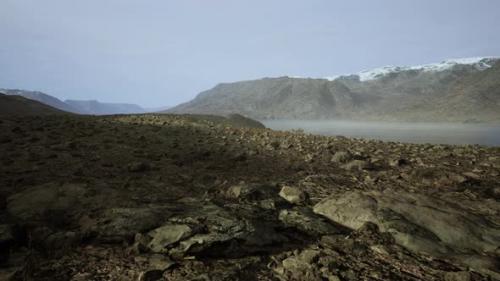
column 156, row 53
column 437, row 132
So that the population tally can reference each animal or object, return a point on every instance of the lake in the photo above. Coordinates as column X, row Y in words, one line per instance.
column 436, row 133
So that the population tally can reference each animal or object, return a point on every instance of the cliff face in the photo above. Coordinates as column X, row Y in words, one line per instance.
column 458, row 91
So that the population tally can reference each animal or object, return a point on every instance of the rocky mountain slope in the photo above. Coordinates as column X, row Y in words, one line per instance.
column 454, row 90
column 166, row 197
column 17, row 105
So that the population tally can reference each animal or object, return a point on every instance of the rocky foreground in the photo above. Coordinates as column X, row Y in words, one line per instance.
column 164, row 197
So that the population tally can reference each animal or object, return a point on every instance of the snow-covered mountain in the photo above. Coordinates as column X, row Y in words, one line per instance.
column 453, row 90
column 479, row 63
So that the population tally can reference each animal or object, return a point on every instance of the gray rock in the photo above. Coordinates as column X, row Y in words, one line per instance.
column 240, row 190
column 307, row 222
column 159, row 262
column 220, row 226
column 293, row 194
column 341, row 157
column 357, row 165
column 167, row 235
column 250, row 192
column 417, row 222
column 472, row 176
column 352, row 209
column 268, row 204
column 300, row 266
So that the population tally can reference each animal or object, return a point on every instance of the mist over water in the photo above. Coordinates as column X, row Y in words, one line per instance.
column 435, row 133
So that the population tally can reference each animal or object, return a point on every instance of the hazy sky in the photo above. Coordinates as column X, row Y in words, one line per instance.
column 161, row 52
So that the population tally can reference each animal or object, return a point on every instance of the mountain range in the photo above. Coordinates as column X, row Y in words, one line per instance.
column 459, row 90
column 92, row 107
column 21, row 106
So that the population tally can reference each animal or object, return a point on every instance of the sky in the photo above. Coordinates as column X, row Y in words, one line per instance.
column 164, row 52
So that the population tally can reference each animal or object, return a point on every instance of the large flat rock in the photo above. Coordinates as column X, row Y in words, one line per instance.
column 419, row 222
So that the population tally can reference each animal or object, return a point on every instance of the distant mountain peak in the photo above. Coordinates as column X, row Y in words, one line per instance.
column 480, row 63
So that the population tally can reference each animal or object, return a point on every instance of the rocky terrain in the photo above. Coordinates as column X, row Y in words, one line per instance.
column 464, row 90
column 166, row 197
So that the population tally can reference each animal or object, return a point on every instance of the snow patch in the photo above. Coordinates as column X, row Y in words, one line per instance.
column 378, row 72
column 331, row 78
column 480, row 63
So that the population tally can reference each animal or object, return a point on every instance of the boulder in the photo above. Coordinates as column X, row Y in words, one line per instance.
column 300, row 266
column 418, row 222
column 166, row 235
column 341, row 157
column 159, row 262
column 293, row 194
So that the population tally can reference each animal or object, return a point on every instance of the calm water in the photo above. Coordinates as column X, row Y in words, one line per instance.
column 442, row 133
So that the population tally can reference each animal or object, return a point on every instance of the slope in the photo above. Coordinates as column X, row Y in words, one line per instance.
column 18, row 105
